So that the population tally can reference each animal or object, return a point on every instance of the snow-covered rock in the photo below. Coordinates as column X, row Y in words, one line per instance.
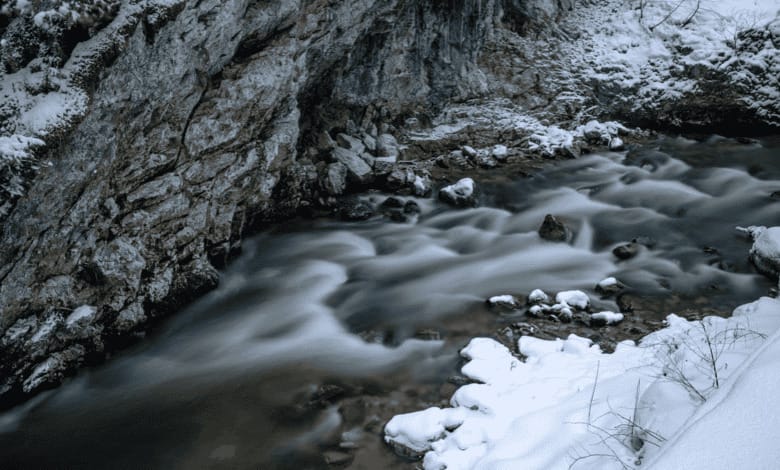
column 500, row 152
column 538, row 296
column 605, row 318
column 765, row 252
column 505, row 301
column 573, row 298
column 609, row 286
column 461, row 194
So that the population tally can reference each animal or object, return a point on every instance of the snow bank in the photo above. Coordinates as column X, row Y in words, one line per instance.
column 569, row 405
column 664, row 50
column 745, row 414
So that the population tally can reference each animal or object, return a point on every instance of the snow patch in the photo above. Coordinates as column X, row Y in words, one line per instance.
column 573, row 298
column 569, row 402
column 83, row 314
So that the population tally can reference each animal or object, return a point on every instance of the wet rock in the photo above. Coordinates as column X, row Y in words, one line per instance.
column 397, row 216
column 626, row 251
column 392, row 203
column 648, row 242
column 394, row 209
column 460, row 194
column 355, row 210
column 553, row 229
column 411, row 207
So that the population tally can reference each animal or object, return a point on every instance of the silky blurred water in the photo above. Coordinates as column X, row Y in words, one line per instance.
column 211, row 388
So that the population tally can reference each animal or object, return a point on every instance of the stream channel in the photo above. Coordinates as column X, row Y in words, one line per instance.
column 322, row 330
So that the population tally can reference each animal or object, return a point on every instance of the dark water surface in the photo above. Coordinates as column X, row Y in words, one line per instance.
column 232, row 381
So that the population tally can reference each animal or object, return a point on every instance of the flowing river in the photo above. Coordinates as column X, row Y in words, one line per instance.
column 322, row 330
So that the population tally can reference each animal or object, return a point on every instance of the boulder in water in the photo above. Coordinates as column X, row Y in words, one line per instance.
column 765, row 253
column 553, row 229
column 609, row 286
column 354, row 210
column 460, row 194
column 626, row 251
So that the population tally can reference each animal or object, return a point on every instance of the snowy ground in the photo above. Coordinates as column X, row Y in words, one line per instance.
column 569, row 405
column 655, row 51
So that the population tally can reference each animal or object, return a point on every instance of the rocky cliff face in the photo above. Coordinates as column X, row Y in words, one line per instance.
column 212, row 119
